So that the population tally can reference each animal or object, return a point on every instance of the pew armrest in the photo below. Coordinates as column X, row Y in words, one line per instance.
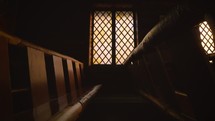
column 71, row 113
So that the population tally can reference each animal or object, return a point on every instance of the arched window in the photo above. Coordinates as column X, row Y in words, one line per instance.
column 206, row 37
column 112, row 37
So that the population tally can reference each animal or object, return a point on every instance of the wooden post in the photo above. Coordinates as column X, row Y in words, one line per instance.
column 60, row 82
column 72, row 80
column 39, row 86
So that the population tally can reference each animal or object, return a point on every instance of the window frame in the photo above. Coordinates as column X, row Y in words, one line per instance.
column 113, row 12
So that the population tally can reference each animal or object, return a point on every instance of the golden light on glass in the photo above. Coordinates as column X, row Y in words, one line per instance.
column 124, row 35
column 102, row 37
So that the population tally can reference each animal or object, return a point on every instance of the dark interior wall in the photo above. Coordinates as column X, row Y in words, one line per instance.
column 150, row 13
column 7, row 15
column 59, row 25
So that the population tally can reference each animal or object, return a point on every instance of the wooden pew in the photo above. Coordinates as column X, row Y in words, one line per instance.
column 38, row 84
column 177, row 74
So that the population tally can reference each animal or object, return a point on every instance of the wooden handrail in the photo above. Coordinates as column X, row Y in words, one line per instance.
column 72, row 113
column 17, row 41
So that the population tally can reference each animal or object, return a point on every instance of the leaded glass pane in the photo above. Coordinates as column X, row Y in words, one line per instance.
column 206, row 37
column 124, row 35
column 102, row 37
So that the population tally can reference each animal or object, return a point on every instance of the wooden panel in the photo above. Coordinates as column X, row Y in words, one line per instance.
column 72, row 80
column 59, row 75
column 78, row 72
column 39, row 86
column 5, row 96
column 19, row 68
column 20, row 83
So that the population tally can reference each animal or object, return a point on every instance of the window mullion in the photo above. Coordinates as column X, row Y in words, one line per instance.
column 113, row 39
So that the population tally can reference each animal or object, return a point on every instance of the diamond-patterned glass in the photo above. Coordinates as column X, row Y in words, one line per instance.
column 102, row 37
column 206, row 37
column 124, row 35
